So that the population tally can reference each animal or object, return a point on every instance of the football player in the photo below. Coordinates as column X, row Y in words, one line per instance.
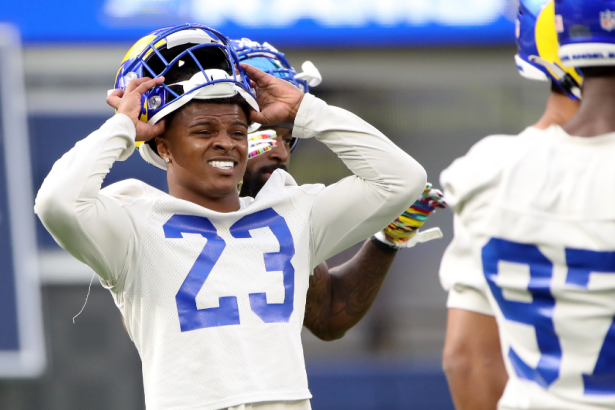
column 339, row 297
column 212, row 286
column 472, row 352
column 535, row 247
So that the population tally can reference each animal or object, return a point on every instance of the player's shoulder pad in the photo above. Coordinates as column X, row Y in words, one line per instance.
column 129, row 190
column 480, row 167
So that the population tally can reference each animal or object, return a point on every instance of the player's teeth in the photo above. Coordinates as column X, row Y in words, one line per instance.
column 222, row 164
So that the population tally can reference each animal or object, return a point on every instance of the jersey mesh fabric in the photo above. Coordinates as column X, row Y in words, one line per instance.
column 227, row 365
column 539, row 191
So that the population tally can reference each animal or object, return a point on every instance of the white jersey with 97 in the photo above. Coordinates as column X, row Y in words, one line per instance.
column 534, row 246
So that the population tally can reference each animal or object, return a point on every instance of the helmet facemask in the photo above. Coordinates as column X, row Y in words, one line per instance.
column 197, row 63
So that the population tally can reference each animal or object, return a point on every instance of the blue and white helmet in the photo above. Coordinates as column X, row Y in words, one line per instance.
column 586, row 31
column 197, row 63
column 268, row 59
column 537, row 56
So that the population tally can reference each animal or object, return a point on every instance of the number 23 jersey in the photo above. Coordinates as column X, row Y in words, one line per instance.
column 207, row 280
column 535, row 247
column 215, row 301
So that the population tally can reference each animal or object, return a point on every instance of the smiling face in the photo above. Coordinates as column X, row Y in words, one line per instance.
column 261, row 167
column 207, row 148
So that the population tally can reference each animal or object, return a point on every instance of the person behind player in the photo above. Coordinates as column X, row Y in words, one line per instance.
column 339, row 297
column 545, row 248
column 472, row 352
column 212, row 286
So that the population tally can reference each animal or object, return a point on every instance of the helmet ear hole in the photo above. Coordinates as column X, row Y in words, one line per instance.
column 152, row 144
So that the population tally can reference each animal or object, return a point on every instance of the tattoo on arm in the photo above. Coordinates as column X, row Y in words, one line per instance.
column 338, row 298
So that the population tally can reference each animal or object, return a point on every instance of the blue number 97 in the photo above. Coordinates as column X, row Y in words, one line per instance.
column 539, row 313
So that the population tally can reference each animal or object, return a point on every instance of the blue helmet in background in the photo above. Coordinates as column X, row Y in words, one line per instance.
column 586, row 31
column 267, row 58
column 537, row 56
column 197, row 63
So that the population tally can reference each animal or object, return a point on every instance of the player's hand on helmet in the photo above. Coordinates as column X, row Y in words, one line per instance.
column 404, row 231
column 128, row 102
column 278, row 100
column 260, row 142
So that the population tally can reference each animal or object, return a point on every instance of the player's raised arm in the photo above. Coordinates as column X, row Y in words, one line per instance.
column 93, row 227
column 385, row 180
column 339, row 297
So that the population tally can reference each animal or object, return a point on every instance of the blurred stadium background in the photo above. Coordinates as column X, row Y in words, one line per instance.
column 433, row 75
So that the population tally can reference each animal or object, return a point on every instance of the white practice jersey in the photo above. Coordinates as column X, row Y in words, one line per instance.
column 214, row 302
column 535, row 247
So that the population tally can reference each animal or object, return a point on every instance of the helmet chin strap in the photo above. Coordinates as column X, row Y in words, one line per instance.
column 563, row 77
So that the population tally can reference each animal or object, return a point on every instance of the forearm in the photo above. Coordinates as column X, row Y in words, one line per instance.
column 472, row 357
column 338, row 298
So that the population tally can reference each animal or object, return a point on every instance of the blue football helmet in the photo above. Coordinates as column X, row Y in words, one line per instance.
column 197, row 63
column 586, row 32
column 537, row 56
column 267, row 58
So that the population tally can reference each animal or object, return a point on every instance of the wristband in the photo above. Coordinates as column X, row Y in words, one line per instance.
column 420, row 237
column 383, row 246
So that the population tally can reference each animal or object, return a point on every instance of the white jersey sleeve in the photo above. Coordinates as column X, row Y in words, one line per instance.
column 468, row 177
column 385, row 181
column 461, row 276
column 475, row 172
column 94, row 228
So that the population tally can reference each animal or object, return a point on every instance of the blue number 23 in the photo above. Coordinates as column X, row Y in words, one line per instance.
column 192, row 318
